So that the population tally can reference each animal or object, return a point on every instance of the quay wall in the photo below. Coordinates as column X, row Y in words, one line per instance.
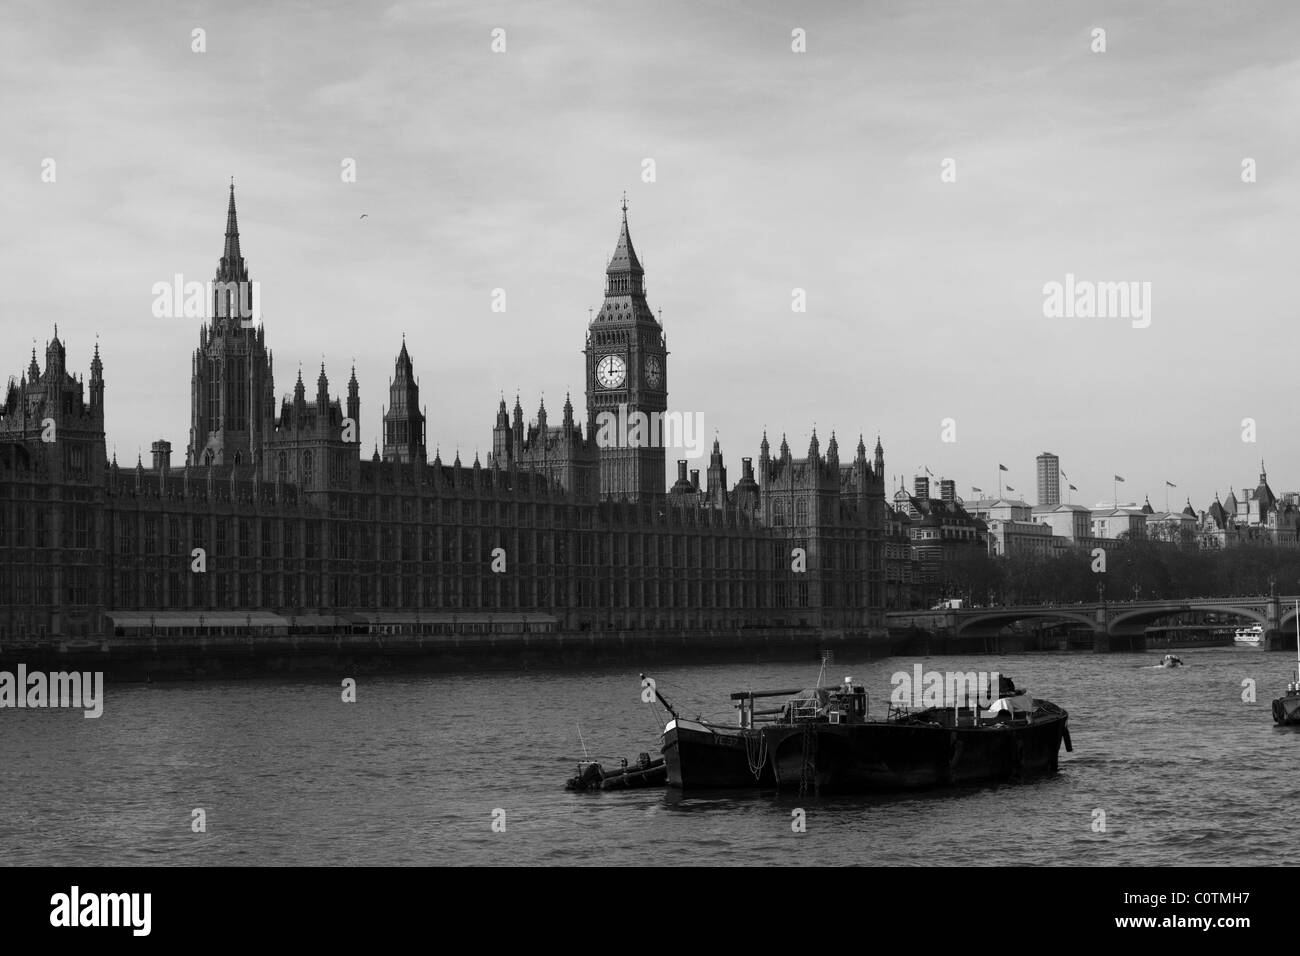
column 196, row 658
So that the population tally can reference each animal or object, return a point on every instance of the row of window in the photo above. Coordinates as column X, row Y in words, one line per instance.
column 178, row 591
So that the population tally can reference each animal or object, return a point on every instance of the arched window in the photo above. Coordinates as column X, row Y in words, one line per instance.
column 778, row 512
column 306, row 469
column 282, row 467
column 801, row 512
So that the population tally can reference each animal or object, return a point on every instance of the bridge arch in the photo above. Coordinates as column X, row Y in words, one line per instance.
column 1003, row 618
column 1149, row 615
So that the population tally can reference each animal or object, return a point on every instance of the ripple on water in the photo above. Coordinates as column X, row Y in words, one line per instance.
column 1184, row 771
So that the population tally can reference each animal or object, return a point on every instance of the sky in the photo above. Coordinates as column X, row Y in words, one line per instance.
column 773, row 170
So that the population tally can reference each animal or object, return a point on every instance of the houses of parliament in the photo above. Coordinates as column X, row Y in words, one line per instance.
column 276, row 513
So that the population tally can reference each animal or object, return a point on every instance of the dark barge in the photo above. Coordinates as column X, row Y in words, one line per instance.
column 824, row 740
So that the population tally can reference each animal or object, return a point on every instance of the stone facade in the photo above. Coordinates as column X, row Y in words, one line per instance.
column 279, row 511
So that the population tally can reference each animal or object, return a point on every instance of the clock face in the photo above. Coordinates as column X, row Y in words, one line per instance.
column 611, row 371
column 654, row 371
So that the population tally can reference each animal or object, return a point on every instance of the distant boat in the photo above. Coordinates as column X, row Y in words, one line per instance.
column 823, row 740
column 1249, row 635
column 1171, row 660
column 1286, row 709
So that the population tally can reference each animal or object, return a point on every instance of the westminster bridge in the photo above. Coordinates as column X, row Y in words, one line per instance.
column 1106, row 625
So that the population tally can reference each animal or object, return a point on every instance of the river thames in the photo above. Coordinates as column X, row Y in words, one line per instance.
column 417, row 769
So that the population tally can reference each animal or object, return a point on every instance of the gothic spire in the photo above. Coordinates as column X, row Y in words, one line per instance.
column 231, row 267
column 624, row 260
column 232, row 227
column 624, row 275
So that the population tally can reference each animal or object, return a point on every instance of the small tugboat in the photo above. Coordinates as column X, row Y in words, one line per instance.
column 1171, row 660
column 644, row 773
column 823, row 739
column 1286, row 709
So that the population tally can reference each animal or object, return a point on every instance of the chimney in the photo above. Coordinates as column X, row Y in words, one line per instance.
column 948, row 489
column 921, row 485
column 681, row 470
column 747, row 468
column 162, row 455
column 695, row 479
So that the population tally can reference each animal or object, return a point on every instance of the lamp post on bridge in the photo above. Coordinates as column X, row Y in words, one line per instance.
column 1105, row 624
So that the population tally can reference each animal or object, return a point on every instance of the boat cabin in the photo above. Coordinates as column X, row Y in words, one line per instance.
column 844, row 703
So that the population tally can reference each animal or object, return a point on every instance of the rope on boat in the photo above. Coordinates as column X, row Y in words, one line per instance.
column 756, row 753
column 809, row 762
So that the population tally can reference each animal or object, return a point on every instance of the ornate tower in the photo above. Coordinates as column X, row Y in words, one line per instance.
column 232, row 400
column 50, row 413
column 403, row 421
column 627, row 380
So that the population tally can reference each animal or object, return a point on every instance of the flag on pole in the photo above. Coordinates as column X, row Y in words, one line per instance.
column 1170, row 484
column 1064, row 475
column 929, row 472
column 1072, row 488
column 1009, row 488
column 1003, row 468
column 976, row 490
column 1118, row 478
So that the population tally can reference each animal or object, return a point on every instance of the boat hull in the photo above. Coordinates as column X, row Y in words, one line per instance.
column 879, row 756
column 900, row 756
column 1286, row 710
column 702, row 756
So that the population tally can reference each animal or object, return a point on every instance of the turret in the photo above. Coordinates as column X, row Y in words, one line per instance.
column 354, row 403
column 717, row 477
column 502, row 452
column 162, row 455
column 567, row 422
column 517, row 429
column 97, row 384
column 322, row 400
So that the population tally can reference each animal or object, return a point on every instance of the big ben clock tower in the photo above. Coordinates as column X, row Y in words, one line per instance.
column 627, row 381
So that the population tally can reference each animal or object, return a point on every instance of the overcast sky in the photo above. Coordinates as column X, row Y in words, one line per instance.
column 774, row 170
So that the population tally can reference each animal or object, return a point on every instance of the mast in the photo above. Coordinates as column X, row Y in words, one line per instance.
column 663, row 700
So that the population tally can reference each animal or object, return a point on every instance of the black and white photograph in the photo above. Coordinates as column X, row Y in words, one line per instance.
column 552, row 434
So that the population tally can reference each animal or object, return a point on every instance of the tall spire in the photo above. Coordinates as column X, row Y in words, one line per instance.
column 232, row 226
column 624, row 274
column 231, row 267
